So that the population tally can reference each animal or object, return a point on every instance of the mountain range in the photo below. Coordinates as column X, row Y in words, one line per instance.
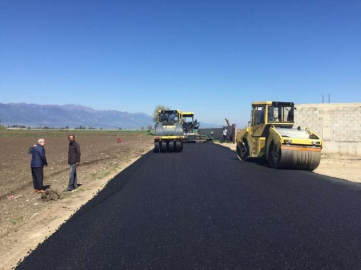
column 58, row 116
column 72, row 116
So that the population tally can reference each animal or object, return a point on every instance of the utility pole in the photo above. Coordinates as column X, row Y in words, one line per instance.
column 323, row 99
column 329, row 98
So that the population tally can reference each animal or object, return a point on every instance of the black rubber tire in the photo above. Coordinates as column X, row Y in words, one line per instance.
column 243, row 151
column 171, row 147
column 156, row 147
column 163, row 147
column 274, row 156
column 178, row 146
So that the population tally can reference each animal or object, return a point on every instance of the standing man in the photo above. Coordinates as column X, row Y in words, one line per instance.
column 38, row 161
column 73, row 160
column 224, row 135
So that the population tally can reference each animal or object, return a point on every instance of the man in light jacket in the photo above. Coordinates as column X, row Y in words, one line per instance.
column 224, row 135
column 38, row 161
column 73, row 160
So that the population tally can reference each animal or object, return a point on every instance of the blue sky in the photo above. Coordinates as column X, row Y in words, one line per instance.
column 210, row 57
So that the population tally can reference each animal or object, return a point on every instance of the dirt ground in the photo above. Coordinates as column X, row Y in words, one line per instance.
column 343, row 167
column 25, row 219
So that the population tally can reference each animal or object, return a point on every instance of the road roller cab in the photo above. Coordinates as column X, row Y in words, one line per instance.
column 271, row 135
column 168, row 132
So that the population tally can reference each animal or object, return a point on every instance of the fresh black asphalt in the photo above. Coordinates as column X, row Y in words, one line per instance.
column 204, row 209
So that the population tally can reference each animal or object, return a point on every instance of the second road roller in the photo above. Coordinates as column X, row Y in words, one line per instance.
column 169, row 132
column 271, row 135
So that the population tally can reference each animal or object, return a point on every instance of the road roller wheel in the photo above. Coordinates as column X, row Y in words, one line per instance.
column 293, row 159
column 243, row 151
column 314, row 159
column 171, row 147
column 274, row 156
column 178, row 146
column 156, row 147
column 163, row 147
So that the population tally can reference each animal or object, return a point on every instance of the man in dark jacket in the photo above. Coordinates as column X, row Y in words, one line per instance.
column 38, row 162
column 73, row 160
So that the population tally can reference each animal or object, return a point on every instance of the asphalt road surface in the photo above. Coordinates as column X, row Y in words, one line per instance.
column 204, row 209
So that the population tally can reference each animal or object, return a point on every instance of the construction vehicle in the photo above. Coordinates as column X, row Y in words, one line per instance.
column 169, row 132
column 270, row 134
column 191, row 129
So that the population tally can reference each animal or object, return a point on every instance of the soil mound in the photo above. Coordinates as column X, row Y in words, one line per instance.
column 50, row 195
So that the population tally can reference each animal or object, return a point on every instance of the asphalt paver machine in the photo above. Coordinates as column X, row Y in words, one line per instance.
column 191, row 129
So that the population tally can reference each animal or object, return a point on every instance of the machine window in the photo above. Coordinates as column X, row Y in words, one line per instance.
column 280, row 114
column 168, row 117
column 259, row 115
column 163, row 117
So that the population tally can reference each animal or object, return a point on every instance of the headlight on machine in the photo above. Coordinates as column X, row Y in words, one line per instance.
column 287, row 141
column 316, row 143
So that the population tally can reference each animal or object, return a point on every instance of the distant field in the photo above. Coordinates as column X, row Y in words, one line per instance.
column 60, row 133
column 101, row 154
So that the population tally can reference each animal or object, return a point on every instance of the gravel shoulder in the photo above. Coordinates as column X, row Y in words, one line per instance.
column 337, row 166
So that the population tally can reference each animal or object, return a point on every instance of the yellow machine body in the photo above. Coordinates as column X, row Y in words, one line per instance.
column 191, row 129
column 187, row 114
column 270, row 135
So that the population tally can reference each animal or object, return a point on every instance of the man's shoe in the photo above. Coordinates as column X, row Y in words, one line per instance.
column 68, row 189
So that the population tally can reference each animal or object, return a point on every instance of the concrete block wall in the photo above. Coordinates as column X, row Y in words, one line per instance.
column 339, row 125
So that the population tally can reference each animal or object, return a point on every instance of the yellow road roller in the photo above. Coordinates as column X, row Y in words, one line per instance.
column 168, row 132
column 271, row 135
